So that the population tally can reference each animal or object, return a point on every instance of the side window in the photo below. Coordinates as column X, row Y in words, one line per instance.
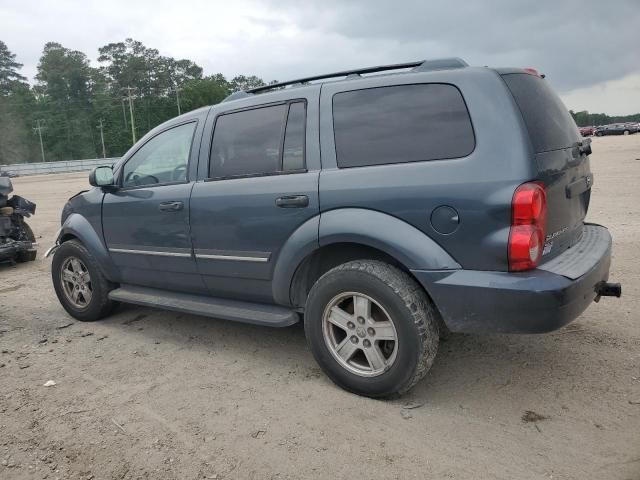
column 401, row 123
column 163, row 159
column 259, row 141
column 294, row 138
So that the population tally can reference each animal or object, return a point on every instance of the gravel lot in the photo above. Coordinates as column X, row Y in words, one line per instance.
column 150, row 394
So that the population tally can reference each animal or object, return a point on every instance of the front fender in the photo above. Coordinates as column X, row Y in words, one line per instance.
column 77, row 226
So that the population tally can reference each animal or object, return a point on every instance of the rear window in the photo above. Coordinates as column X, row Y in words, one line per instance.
column 401, row 123
column 548, row 121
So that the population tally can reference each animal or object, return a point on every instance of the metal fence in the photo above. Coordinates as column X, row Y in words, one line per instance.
column 43, row 168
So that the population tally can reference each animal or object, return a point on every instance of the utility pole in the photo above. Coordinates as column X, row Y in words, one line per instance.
column 130, row 97
column 100, row 126
column 38, row 128
column 124, row 115
column 177, row 90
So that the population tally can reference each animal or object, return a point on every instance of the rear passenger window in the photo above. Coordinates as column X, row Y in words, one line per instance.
column 293, row 155
column 402, row 123
column 253, row 142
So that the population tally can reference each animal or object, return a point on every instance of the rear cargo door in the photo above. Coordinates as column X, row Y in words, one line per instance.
column 561, row 158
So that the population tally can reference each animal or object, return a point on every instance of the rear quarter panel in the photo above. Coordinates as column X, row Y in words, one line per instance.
column 479, row 186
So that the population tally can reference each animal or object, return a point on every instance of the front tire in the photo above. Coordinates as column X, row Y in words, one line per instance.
column 371, row 328
column 81, row 287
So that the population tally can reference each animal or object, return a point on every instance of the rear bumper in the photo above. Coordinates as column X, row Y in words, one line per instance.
column 537, row 301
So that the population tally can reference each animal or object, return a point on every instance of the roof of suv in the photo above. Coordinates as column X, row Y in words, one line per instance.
column 418, row 66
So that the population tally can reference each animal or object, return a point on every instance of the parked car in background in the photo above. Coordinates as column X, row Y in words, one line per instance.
column 615, row 129
column 587, row 131
column 343, row 204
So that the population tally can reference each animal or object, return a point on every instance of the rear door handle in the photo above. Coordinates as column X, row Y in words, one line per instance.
column 171, row 206
column 292, row 201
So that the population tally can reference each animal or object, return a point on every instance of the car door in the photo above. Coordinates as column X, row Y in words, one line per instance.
column 146, row 220
column 261, row 184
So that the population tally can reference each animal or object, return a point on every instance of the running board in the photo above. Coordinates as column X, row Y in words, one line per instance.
column 256, row 313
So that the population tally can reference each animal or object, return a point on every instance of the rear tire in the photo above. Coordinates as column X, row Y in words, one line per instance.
column 358, row 355
column 81, row 287
column 626, row 132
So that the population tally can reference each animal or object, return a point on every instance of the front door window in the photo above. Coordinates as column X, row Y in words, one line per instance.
column 161, row 160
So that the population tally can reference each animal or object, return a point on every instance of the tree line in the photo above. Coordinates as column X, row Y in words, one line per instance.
column 80, row 111
column 74, row 110
column 586, row 119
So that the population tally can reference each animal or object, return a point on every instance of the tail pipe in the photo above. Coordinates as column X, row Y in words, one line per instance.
column 606, row 289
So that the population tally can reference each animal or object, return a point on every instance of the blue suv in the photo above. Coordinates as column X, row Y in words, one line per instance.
column 384, row 206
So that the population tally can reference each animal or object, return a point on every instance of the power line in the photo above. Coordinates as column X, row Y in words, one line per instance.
column 55, row 109
column 51, row 101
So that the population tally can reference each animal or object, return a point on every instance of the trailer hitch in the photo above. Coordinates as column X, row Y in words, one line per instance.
column 606, row 289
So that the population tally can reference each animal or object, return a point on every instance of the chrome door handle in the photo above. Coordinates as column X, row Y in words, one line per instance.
column 171, row 206
column 292, row 201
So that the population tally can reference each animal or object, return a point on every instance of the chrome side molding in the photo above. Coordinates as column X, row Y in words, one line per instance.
column 149, row 252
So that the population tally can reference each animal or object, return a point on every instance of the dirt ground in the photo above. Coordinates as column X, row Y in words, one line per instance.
column 151, row 394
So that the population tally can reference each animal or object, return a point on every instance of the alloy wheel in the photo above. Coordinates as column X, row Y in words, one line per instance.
column 76, row 282
column 360, row 334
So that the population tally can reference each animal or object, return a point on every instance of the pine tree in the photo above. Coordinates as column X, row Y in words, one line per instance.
column 9, row 76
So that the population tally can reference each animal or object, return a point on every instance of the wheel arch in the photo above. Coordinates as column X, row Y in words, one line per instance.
column 339, row 236
column 65, row 237
column 326, row 257
column 77, row 227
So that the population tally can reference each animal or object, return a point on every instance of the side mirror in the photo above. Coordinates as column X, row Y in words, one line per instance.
column 101, row 177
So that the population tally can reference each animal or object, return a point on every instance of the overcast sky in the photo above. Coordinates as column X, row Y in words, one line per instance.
column 589, row 49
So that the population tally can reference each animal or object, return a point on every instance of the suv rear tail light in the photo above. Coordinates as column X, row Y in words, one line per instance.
column 528, row 222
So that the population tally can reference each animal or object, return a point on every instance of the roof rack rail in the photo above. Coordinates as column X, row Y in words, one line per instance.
column 418, row 66
column 344, row 73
